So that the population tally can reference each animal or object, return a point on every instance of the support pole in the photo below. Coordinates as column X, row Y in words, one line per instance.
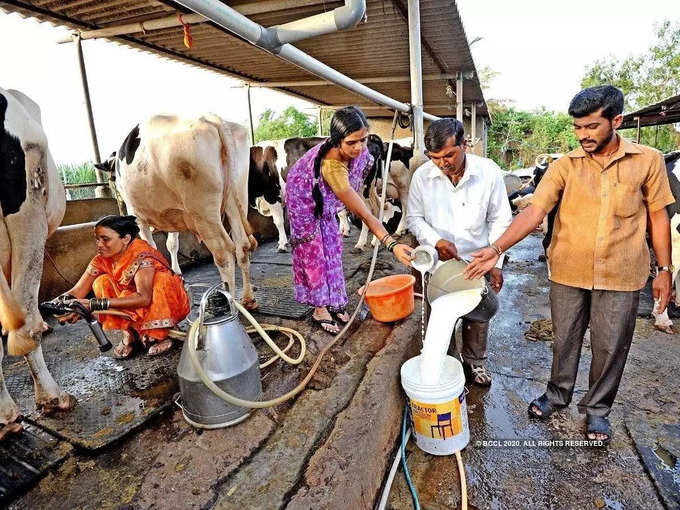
column 100, row 191
column 459, row 98
column 320, row 121
column 416, row 75
column 473, row 124
column 250, row 117
column 638, row 129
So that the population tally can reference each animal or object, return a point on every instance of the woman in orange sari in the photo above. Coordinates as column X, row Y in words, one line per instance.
column 130, row 276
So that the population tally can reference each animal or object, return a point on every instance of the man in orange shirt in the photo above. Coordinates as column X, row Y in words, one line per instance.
column 610, row 192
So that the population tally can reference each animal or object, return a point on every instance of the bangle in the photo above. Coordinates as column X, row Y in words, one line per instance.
column 497, row 249
column 382, row 240
column 99, row 304
column 390, row 247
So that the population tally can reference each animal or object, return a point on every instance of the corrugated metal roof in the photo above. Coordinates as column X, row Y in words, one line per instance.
column 663, row 112
column 376, row 48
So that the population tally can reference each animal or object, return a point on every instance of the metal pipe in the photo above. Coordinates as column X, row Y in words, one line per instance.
column 416, row 75
column 100, row 191
column 473, row 124
column 338, row 19
column 638, row 129
column 263, row 38
column 459, row 98
column 250, row 118
column 318, row 83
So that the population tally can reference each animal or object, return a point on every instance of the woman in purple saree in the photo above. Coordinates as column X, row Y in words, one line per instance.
column 324, row 181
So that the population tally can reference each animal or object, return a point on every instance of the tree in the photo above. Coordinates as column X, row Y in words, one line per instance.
column 516, row 138
column 645, row 79
column 289, row 123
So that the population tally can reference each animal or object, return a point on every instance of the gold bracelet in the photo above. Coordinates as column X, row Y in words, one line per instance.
column 497, row 249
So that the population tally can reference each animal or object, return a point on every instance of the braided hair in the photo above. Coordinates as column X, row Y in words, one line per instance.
column 345, row 121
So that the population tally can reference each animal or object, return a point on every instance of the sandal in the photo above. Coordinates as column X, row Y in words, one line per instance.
column 160, row 347
column 598, row 425
column 328, row 325
column 341, row 316
column 544, row 405
column 125, row 350
column 477, row 374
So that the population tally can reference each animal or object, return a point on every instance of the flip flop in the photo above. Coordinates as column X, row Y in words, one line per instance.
column 337, row 316
column 598, row 425
column 327, row 322
column 544, row 405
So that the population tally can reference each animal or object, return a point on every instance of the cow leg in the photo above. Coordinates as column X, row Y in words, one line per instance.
column 363, row 238
column 220, row 245
column 27, row 231
column 401, row 228
column 146, row 234
column 277, row 215
column 48, row 396
column 344, row 223
column 243, row 247
column 172, row 244
column 9, row 412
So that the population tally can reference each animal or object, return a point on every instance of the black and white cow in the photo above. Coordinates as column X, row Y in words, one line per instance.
column 264, row 189
column 33, row 203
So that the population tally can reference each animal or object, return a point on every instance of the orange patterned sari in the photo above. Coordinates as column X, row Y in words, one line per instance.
column 169, row 304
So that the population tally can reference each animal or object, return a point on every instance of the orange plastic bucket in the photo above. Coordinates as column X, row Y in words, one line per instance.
column 390, row 298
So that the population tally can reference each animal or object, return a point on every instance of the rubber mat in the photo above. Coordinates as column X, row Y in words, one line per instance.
column 273, row 286
column 26, row 457
column 113, row 396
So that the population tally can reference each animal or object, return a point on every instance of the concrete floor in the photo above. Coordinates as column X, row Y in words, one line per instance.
column 332, row 446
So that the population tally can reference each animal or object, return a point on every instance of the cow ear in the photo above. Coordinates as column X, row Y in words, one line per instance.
column 104, row 167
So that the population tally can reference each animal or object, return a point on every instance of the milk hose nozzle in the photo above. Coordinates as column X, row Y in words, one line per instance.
column 52, row 308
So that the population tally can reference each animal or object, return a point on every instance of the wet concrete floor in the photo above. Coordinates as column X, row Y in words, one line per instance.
column 167, row 464
column 506, row 464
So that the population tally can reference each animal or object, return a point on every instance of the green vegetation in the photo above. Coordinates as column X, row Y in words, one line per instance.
column 71, row 173
column 289, row 123
column 645, row 79
column 516, row 138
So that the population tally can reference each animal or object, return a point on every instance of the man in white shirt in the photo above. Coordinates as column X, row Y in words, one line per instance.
column 458, row 204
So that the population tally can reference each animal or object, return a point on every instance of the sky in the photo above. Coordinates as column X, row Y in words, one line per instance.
column 540, row 48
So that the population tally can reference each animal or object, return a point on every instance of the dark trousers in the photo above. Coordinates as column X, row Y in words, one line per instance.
column 611, row 315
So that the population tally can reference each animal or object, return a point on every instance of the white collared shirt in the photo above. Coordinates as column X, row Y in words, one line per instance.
column 471, row 215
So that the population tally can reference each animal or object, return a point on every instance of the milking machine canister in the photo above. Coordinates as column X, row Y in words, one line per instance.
column 228, row 357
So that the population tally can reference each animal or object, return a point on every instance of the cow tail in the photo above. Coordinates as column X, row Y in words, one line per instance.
column 225, row 142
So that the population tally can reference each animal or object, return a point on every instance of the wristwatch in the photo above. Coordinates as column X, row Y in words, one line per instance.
column 670, row 269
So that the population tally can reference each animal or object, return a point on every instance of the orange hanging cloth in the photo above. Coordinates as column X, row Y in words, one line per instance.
column 188, row 40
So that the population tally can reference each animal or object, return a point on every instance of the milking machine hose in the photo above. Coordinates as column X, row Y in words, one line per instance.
column 192, row 337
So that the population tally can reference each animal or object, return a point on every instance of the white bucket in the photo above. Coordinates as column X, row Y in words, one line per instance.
column 438, row 412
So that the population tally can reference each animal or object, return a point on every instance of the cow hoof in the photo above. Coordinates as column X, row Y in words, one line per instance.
column 65, row 402
column 356, row 251
column 664, row 329
column 282, row 249
column 10, row 415
column 249, row 304
column 10, row 428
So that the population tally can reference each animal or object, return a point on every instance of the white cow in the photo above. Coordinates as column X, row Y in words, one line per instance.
column 177, row 174
column 33, row 204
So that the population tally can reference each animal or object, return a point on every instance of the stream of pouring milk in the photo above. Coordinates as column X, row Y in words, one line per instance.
column 445, row 310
